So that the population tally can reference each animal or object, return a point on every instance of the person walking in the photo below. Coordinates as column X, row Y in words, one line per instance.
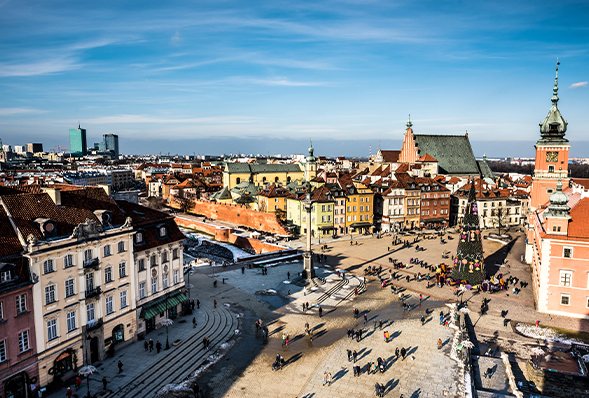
column 329, row 379
column 355, row 356
column 120, row 365
column 365, row 318
column 311, row 335
column 380, row 324
column 320, row 312
column 422, row 320
column 78, row 382
column 215, row 303
column 403, row 352
column 397, row 353
column 150, row 345
column 69, row 393
column 104, row 383
column 158, row 346
column 349, row 355
column 146, row 345
column 441, row 319
column 194, row 322
column 387, row 336
column 439, row 343
column 288, row 275
column 324, row 378
column 197, row 304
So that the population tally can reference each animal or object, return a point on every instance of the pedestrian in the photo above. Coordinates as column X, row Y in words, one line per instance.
column 120, row 365
column 215, row 303
column 439, row 343
column 194, row 322
column 305, row 290
column 197, row 304
column 403, row 352
column 243, row 270
column 422, row 320
column 146, row 345
column 355, row 292
column 355, row 355
column 420, row 298
column 150, row 345
column 442, row 319
column 158, row 346
column 324, row 378
column 380, row 324
column 374, row 323
column 215, row 284
column 288, row 275
column 289, row 292
column 320, row 312
column 69, row 393
column 365, row 318
column 537, row 323
column 387, row 336
column 78, row 382
column 329, row 379
column 397, row 352
column 354, row 368
column 104, row 382
column 349, row 355
column 283, row 339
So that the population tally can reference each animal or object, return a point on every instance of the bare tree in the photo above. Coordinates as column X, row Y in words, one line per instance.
column 155, row 202
column 500, row 218
column 185, row 204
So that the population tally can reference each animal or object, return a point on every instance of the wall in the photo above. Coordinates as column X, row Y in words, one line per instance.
column 237, row 215
column 223, row 234
column 557, row 385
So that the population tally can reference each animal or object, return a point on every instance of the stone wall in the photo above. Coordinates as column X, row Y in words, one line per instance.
column 224, row 234
column 235, row 214
column 558, row 385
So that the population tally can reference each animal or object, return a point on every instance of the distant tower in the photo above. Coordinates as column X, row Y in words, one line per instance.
column 111, row 143
column 552, row 153
column 310, row 164
column 78, row 145
column 409, row 149
column 469, row 263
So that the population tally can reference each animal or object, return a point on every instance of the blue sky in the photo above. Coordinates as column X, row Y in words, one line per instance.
column 225, row 76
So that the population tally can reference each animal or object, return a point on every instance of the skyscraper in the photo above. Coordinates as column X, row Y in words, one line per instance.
column 111, row 142
column 78, row 142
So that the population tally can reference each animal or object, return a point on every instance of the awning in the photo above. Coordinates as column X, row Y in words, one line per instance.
column 361, row 225
column 326, row 228
column 157, row 306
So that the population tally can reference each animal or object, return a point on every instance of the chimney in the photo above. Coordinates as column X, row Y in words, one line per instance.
column 55, row 194
column 105, row 187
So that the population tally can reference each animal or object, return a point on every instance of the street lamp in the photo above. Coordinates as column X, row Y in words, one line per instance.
column 168, row 316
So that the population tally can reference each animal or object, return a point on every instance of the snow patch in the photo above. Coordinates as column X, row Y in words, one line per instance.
column 548, row 334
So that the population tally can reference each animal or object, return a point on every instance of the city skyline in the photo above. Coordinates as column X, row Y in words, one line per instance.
column 230, row 78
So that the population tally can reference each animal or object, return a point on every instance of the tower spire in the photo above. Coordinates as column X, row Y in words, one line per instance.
column 555, row 89
column 409, row 124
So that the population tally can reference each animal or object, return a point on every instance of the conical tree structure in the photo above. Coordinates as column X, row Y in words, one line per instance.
column 469, row 263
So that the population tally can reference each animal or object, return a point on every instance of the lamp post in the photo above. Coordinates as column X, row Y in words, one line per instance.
column 168, row 316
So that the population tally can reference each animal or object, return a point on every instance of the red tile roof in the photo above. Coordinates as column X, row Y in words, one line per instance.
column 578, row 226
column 426, row 158
column 390, row 156
column 9, row 243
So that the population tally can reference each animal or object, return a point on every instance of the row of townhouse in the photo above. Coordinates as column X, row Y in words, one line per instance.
column 81, row 275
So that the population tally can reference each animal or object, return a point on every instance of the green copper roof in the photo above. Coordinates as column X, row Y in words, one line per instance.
column 485, row 170
column 453, row 153
column 554, row 126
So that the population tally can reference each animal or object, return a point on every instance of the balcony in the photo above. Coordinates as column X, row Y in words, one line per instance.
column 93, row 292
column 94, row 324
column 92, row 263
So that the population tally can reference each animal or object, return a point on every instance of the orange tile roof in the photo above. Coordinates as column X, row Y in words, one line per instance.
column 426, row 158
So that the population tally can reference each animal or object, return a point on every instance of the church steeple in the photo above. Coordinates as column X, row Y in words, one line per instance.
column 554, row 126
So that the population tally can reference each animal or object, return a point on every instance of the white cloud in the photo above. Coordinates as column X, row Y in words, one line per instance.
column 578, row 85
column 19, row 111
column 283, row 81
column 37, row 68
column 176, row 39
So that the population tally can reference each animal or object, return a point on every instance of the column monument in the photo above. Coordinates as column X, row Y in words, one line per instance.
column 309, row 271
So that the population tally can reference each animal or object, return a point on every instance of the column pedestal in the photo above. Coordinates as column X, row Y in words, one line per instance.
column 308, row 264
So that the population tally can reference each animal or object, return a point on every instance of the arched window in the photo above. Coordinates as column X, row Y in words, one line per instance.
column 288, row 179
column 275, row 179
column 264, row 180
column 237, row 180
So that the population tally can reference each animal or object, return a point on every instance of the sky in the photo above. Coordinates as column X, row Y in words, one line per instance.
column 184, row 77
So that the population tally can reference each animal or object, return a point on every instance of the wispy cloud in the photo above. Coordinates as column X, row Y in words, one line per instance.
column 578, row 85
column 155, row 119
column 19, row 111
column 45, row 67
column 283, row 81
column 176, row 39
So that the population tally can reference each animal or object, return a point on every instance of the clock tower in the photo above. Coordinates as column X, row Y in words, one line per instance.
column 552, row 154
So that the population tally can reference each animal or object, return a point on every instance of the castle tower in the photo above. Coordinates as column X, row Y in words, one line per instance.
column 552, row 153
column 310, row 164
column 409, row 149
column 469, row 263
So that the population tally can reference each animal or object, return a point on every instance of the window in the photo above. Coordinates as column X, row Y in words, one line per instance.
column 90, row 312
column 565, row 299
column 68, row 261
column 335, row 212
column 354, row 217
column 565, row 278
column 153, row 261
column 1, row 310
column 122, row 270
column 354, row 207
column 109, row 305
column 165, row 281
column 123, row 297
column 361, row 208
column 47, row 266
column 108, row 274
column 349, row 218
column 121, row 247
column 367, row 208
column 2, row 351
column 21, row 303
column 163, row 232
column 69, row 288
column 88, row 255
column 142, row 290
column 71, row 321
column 361, row 217
column 568, row 252
column 5, row 276
column 176, row 277
column 164, row 257
column 138, row 237
column 328, row 207
column 23, row 341
column 361, row 199
column 89, row 282
column 106, row 250
column 174, row 254
column 323, row 208
column 50, row 294
column 153, row 285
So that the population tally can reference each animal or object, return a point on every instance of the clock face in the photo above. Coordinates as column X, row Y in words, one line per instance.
column 552, row 157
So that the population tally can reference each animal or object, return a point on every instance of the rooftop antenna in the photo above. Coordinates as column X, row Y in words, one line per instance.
column 79, row 122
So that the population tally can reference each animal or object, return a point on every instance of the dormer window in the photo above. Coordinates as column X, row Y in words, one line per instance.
column 47, row 227
column 139, row 237
column 104, row 216
column 163, row 232
column 5, row 276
